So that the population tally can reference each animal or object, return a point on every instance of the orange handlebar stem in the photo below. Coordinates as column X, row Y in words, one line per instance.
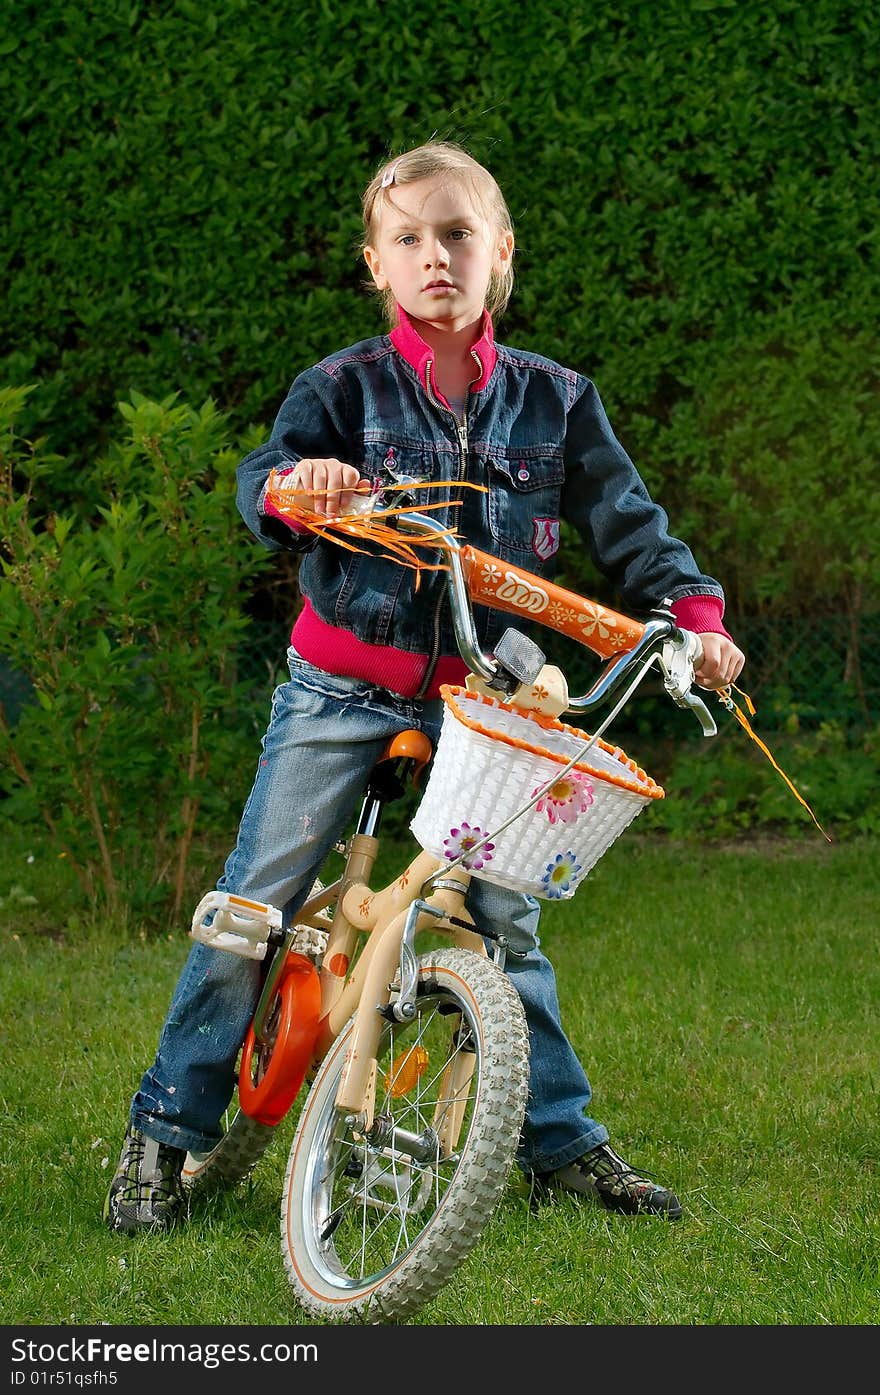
column 509, row 588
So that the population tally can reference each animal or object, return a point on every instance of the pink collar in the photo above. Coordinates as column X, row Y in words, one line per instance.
column 411, row 346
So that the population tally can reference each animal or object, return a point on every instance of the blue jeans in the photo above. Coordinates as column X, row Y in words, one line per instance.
column 324, row 736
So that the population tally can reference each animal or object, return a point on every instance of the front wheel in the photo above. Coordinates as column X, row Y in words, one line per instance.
column 373, row 1226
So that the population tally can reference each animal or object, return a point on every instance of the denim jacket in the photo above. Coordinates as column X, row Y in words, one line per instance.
column 534, row 432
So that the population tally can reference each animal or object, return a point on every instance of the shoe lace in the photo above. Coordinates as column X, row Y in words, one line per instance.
column 166, row 1184
column 163, row 1180
column 614, row 1166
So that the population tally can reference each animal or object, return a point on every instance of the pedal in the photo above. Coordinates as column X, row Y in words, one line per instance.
column 311, row 942
column 238, row 925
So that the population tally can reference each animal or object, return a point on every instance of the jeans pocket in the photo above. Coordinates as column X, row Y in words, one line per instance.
column 317, row 680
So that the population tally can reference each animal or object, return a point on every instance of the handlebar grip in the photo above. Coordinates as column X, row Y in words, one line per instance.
column 506, row 587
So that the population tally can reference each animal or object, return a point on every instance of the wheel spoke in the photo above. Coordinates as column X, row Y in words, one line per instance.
column 362, row 1214
column 392, row 1188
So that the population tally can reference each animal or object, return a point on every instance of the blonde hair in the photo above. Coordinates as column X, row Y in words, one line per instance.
column 443, row 158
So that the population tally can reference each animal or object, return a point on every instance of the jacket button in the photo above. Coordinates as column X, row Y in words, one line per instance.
column 522, row 473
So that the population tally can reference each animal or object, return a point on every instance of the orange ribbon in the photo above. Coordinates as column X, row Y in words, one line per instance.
column 367, row 527
column 395, row 548
column 725, row 697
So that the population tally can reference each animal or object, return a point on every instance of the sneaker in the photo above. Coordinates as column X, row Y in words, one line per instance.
column 604, row 1176
column 147, row 1192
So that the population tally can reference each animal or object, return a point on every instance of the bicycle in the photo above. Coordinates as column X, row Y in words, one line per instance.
column 417, row 1064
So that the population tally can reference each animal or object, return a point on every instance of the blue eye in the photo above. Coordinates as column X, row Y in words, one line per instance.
column 407, row 240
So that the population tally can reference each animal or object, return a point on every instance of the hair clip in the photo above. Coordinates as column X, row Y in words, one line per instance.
column 388, row 176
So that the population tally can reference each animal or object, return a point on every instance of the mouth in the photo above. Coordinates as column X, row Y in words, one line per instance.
column 439, row 286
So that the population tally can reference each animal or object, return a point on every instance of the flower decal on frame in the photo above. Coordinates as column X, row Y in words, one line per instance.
column 461, row 840
column 566, row 799
column 561, row 876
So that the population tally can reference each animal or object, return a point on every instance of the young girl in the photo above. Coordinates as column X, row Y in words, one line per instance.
column 437, row 398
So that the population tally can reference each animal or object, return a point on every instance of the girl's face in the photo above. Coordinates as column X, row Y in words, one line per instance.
column 435, row 251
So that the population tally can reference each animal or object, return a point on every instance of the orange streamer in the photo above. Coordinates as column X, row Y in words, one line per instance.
column 725, row 697
column 368, row 527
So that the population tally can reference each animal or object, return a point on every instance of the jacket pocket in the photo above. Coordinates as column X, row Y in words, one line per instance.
column 524, row 501
column 386, row 461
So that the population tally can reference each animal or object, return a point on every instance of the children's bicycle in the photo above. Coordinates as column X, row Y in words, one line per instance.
column 417, row 1060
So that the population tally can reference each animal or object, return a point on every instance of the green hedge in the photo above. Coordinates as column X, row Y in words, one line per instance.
column 147, row 682
column 138, row 730
column 694, row 186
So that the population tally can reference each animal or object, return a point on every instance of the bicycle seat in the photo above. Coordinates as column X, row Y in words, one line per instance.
column 409, row 745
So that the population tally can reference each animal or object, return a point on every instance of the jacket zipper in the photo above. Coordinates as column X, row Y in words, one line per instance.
column 461, row 431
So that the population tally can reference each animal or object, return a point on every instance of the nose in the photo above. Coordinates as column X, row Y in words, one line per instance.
column 435, row 254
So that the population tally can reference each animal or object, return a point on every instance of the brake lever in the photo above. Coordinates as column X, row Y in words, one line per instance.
column 375, row 501
column 405, row 486
column 676, row 660
column 701, row 712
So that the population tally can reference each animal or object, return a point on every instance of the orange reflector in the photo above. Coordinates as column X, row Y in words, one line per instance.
column 406, row 1071
column 251, row 905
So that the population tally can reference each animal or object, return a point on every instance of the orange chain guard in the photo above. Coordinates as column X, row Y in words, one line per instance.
column 510, row 588
column 298, row 996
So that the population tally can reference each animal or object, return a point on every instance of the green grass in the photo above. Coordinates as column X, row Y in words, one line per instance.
column 722, row 999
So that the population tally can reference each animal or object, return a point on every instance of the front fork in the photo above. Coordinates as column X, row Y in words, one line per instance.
column 392, row 970
column 387, row 967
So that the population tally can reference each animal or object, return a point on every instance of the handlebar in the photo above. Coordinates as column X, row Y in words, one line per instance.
column 628, row 645
column 509, row 588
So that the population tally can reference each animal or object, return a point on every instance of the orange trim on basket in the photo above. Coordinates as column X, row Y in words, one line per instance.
column 650, row 789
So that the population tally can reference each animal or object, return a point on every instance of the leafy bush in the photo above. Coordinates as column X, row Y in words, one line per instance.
column 127, row 626
column 696, row 192
column 780, row 454
column 727, row 786
column 695, row 188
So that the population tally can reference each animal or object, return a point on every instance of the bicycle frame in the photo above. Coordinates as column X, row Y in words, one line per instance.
column 389, row 918
column 369, row 958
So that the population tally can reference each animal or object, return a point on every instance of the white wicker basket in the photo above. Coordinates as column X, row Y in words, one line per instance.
column 490, row 760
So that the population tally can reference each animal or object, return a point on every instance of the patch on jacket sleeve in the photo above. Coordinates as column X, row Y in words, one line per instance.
column 545, row 537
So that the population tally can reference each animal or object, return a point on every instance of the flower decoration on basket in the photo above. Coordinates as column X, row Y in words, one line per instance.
column 461, row 840
column 561, row 875
column 566, row 799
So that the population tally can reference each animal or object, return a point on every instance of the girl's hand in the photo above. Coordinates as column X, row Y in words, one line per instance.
column 330, row 485
column 721, row 664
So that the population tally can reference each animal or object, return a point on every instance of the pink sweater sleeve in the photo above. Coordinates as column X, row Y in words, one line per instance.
column 700, row 614
column 267, row 507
